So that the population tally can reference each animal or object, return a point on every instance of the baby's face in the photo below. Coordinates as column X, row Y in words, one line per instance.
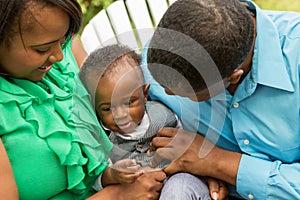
column 120, row 101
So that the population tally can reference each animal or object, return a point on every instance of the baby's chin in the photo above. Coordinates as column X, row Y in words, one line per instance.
column 127, row 131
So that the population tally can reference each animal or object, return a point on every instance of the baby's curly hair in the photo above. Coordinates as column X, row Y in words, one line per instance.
column 103, row 62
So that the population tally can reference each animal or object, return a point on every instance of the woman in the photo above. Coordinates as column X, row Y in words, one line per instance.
column 51, row 145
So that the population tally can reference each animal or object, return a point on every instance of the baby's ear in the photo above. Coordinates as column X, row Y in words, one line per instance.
column 146, row 91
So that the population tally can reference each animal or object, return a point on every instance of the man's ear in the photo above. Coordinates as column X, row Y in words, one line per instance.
column 235, row 77
column 146, row 91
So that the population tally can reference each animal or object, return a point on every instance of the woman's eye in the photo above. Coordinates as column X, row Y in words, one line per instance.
column 42, row 51
column 62, row 42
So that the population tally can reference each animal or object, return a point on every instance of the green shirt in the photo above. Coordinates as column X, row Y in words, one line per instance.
column 51, row 134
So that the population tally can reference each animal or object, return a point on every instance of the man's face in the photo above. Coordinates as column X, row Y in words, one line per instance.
column 202, row 95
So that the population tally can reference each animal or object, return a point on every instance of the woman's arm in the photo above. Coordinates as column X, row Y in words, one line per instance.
column 146, row 187
column 8, row 187
column 78, row 51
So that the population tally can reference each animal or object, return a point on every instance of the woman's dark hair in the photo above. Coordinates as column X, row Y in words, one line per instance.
column 11, row 12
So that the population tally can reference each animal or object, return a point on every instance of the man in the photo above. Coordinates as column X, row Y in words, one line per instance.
column 242, row 63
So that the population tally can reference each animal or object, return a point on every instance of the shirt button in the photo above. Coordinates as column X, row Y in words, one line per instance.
column 246, row 142
column 250, row 196
column 236, row 104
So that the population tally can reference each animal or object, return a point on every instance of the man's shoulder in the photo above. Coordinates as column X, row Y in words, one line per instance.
column 287, row 22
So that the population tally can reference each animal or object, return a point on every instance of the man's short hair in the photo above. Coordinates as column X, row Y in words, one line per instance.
column 221, row 30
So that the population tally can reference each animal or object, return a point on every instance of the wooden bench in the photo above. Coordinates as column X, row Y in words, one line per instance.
column 129, row 22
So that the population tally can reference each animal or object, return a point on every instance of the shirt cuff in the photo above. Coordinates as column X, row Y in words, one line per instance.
column 252, row 177
column 98, row 183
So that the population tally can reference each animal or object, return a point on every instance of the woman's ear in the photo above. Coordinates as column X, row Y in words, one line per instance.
column 235, row 77
column 146, row 91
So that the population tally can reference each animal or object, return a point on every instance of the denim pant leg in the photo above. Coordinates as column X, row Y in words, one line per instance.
column 184, row 186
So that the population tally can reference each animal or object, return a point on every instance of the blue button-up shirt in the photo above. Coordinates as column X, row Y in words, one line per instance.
column 262, row 119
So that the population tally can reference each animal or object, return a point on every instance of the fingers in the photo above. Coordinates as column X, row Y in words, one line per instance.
column 224, row 191
column 152, row 181
column 160, row 144
column 172, row 168
column 213, row 185
column 218, row 189
column 167, row 132
column 126, row 165
column 158, row 175
column 129, row 178
column 150, row 169
column 147, row 186
column 170, row 144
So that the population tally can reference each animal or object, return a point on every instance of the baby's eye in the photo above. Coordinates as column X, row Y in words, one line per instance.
column 128, row 103
column 106, row 109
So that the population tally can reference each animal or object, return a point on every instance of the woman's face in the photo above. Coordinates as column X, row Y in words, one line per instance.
column 31, row 54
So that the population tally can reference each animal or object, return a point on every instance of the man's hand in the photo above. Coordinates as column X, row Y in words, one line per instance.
column 182, row 147
column 191, row 152
column 218, row 189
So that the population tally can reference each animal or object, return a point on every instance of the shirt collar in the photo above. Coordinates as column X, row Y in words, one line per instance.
column 268, row 66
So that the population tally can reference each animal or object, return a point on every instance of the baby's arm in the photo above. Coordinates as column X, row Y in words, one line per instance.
column 123, row 171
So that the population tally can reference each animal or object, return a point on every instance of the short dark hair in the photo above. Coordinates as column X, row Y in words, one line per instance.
column 224, row 29
column 102, row 62
column 12, row 10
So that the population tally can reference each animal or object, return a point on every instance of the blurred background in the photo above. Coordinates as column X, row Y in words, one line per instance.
column 91, row 7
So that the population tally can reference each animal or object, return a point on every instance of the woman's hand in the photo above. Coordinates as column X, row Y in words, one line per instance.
column 146, row 187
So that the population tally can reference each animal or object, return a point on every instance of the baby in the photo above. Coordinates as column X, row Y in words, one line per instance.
column 114, row 79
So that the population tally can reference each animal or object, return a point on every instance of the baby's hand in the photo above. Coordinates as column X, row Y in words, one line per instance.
column 218, row 189
column 125, row 171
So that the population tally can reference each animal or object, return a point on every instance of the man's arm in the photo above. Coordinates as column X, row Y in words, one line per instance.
column 254, row 177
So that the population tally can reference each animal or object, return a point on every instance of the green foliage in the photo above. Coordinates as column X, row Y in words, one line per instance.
column 284, row 5
column 91, row 7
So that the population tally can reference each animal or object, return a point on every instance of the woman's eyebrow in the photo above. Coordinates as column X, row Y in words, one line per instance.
column 47, row 43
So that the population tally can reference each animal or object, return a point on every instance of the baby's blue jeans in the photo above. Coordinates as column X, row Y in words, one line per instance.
column 184, row 186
